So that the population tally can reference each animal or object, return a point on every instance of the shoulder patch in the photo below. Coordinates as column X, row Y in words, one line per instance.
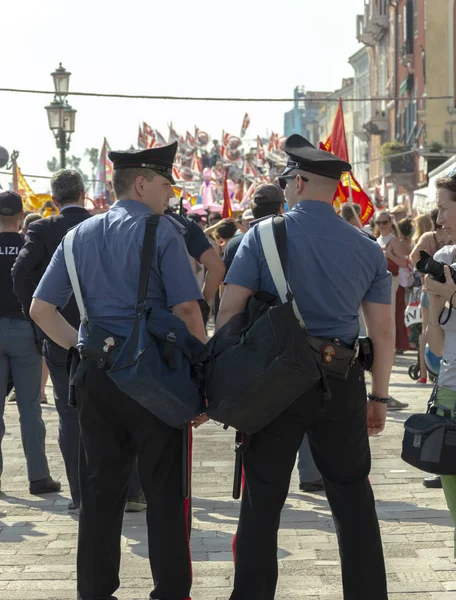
column 180, row 228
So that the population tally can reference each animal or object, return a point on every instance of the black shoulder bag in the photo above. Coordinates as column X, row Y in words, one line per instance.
column 429, row 442
column 260, row 362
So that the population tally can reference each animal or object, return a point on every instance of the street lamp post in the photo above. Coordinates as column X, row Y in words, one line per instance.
column 61, row 115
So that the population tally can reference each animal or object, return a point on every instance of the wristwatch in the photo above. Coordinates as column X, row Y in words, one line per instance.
column 377, row 399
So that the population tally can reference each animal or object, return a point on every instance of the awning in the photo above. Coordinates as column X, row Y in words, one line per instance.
column 421, row 200
column 406, row 85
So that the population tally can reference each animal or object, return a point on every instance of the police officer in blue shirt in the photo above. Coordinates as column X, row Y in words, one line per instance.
column 114, row 428
column 333, row 269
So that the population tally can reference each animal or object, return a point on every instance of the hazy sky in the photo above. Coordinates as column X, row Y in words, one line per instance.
column 236, row 48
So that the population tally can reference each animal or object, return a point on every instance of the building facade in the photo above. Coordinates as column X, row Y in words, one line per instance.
column 303, row 118
column 361, row 114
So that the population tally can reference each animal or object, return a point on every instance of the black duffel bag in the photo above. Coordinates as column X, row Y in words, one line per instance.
column 429, row 442
column 261, row 361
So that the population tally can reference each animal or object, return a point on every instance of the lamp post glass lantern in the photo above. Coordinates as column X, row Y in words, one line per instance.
column 69, row 119
column 61, row 116
column 61, row 81
column 55, row 112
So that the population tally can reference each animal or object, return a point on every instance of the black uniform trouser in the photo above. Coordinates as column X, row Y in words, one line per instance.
column 114, row 431
column 56, row 360
column 339, row 442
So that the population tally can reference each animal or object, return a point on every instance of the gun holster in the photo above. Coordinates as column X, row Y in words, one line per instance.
column 366, row 353
column 76, row 375
column 102, row 346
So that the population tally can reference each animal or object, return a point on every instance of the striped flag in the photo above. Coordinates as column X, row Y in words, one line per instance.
column 245, row 124
column 149, row 135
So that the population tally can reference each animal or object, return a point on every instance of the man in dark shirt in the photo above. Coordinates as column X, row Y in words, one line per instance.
column 19, row 353
column 200, row 248
column 267, row 200
column 43, row 238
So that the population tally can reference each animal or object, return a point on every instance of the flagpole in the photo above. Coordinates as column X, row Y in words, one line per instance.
column 105, row 182
column 350, row 200
column 14, row 156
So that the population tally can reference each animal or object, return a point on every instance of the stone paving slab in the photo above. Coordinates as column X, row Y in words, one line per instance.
column 38, row 538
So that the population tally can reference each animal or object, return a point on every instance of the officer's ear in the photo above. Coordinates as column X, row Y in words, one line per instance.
column 139, row 185
column 301, row 184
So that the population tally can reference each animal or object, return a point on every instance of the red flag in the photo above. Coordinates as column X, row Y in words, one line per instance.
column 190, row 139
column 148, row 135
column 245, row 124
column 173, row 135
column 227, row 211
column 260, row 150
column 348, row 186
column 250, row 170
column 160, row 140
column 103, row 177
column 197, row 164
column 142, row 143
column 239, row 191
column 273, row 142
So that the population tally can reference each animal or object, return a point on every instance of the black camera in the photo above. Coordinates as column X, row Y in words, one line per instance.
column 428, row 266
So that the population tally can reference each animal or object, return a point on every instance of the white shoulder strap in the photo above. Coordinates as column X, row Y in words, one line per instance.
column 271, row 254
column 71, row 268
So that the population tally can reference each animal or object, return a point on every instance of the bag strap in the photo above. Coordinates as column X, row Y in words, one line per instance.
column 73, row 275
column 276, row 254
column 147, row 255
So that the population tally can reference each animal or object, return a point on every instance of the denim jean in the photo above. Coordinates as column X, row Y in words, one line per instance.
column 56, row 360
column 19, row 354
column 307, row 468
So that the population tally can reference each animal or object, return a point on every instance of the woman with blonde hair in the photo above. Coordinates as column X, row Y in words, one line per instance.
column 396, row 251
column 422, row 224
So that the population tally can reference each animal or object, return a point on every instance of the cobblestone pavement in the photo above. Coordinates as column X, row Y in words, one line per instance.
column 38, row 538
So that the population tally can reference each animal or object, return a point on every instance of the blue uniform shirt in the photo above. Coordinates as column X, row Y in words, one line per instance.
column 107, row 254
column 332, row 267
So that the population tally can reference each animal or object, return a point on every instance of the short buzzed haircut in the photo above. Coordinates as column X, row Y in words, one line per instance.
column 10, row 220
column 123, row 179
column 227, row 229
column 265, row 209
column 67, row 186
column 347, row 211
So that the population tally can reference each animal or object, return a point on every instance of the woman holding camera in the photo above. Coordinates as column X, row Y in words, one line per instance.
column 441, row 330
column 430, row 237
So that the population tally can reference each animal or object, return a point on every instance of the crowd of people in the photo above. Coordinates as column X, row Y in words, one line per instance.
column 401, row 238
column 208, row 267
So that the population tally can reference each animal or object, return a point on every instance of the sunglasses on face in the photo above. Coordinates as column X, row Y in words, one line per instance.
column 452, row 173
column 285, row 178
column 382, row 222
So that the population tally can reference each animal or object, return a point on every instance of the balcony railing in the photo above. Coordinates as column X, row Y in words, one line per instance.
column 400, row 163
column 372, row 25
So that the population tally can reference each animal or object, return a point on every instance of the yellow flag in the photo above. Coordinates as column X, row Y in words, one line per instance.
column 31, row 201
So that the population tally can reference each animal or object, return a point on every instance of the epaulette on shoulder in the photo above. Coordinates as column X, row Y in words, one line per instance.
column 180, row 228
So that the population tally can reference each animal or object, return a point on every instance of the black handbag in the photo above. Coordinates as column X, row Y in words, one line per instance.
column 261, row 361
column 429, row 442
